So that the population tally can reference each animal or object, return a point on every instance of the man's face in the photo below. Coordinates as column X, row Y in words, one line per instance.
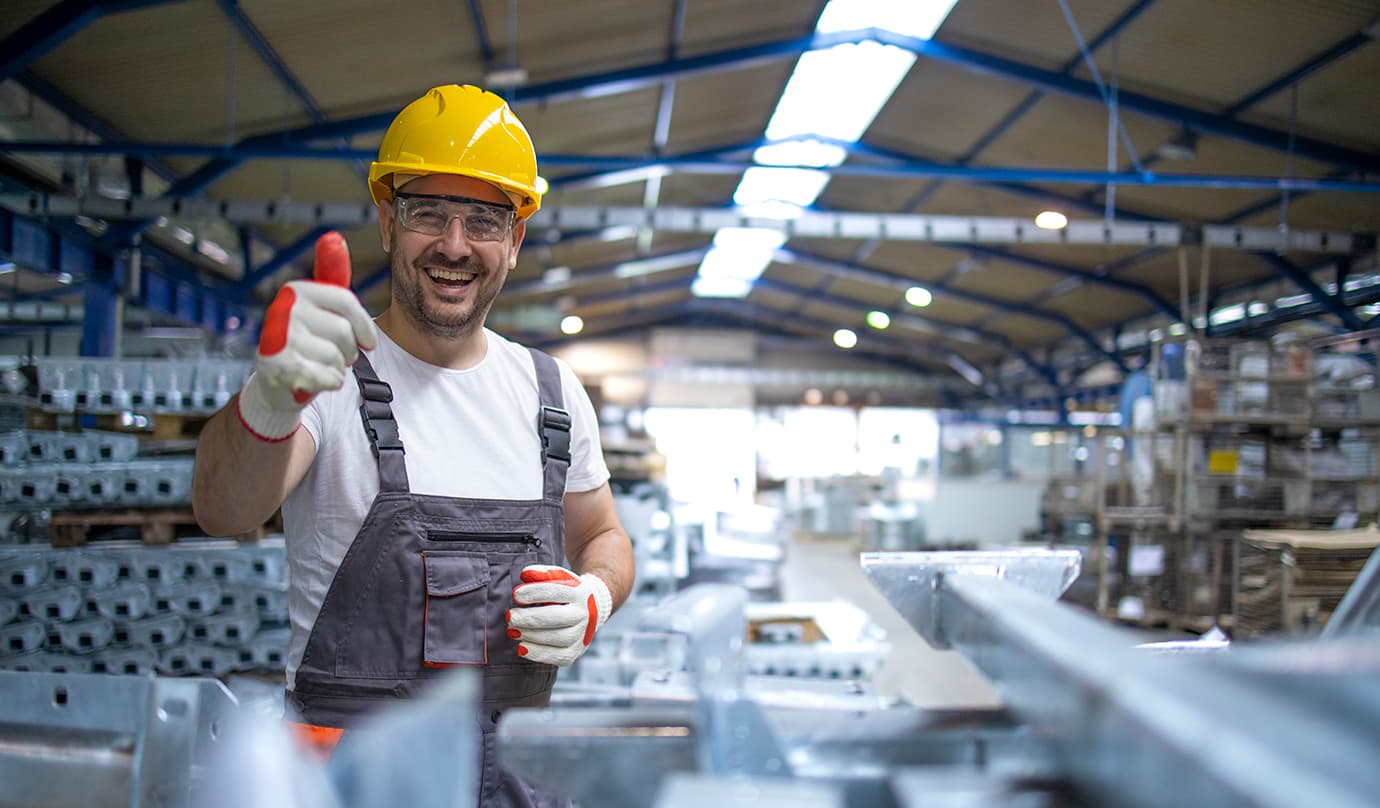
column 446, row 283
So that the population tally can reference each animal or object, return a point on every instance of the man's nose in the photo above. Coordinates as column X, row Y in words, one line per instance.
column 454, row 243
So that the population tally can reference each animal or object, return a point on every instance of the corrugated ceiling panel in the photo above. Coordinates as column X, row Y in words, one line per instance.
column 1071, row 133
column 1226, row 267
column 1094, row 308
column 163, row 74
column 556, row 40
column 1332, row 211
column 1213, row 54
column 932, row 115
column 1031, row 32
column 923, row 262
column 697, row 190
column 1005, row 281
column 772, row 298
column 713, row 25
column 1026, row 332
column 723, row 109
column 797, row 274
column 617, row 124
column 360, row 56
column 1328, row 99
column 867, row 294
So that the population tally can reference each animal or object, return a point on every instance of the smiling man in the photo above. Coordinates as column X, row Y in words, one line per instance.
column 444, row 495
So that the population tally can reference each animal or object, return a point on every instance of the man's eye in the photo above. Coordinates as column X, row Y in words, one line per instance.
column 428, row 215
column 485, row 222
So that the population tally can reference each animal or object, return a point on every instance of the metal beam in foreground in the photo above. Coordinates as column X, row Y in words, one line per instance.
column 1132, row 729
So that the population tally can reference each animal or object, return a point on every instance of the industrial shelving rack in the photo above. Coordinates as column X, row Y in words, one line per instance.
column 1244, row 434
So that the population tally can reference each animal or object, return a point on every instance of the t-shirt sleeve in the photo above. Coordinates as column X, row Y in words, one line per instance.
column 312, row 419
column 587, row 467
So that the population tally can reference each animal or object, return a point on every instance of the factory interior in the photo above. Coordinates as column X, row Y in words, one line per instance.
column 987, row 390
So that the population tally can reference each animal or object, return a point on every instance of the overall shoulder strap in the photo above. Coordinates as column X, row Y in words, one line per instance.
column 380, row 426
column 553, row 423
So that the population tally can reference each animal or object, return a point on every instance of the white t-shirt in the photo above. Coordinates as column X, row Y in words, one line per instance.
column 467, row 433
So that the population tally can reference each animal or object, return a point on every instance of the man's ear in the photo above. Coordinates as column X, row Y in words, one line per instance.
column 519, row 231
column 385, row 212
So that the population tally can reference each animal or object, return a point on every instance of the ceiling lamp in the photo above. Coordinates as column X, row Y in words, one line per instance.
column 1051, row 220
column 879, row 320
column 845, row 338
column 572, row 324
column 918, row 296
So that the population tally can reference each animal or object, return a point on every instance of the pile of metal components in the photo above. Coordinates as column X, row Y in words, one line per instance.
column 205, row 608
column 142, row 385
column 87, row 469
column 1093, row 715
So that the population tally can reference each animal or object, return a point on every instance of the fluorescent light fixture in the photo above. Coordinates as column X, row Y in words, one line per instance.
column 919, row 296
column 6, row 267
column 63, row 278
column 556, row 276
column 797, row 186
column 1257, row 308
column 542, row 185
column 917, row 18
column 1177, row 329
column 879, row 320
column 825, row 97
column 807, row 152
column 1227, row 314
column 184, row 235
column 845, row 338
column 744, row 265
column 1051, row 220
column 572, row 324
column 720, row 287
column 772, row 209
column 764, row 239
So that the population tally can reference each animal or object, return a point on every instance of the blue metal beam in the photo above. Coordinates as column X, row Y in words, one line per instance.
column 881, row 277
column 54, row 26
column 481, row 33
column 231, row 156
column 270, row 57
column 45, row 32
column 280, row 259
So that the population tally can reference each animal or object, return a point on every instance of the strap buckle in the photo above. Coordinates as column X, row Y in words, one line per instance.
column 555, row 434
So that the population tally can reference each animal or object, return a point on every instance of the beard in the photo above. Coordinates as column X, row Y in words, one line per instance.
column 411, row 284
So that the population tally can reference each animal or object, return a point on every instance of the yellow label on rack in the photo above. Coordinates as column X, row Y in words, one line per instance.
column 1222, row 461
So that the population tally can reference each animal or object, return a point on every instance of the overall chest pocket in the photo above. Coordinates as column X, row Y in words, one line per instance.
column 457, row 606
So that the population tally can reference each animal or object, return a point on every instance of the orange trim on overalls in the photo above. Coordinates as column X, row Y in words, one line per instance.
column 320, row 741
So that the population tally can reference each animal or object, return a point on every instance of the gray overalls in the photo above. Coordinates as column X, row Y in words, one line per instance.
column 426, row 584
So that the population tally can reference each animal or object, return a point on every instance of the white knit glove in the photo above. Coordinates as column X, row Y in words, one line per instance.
column 557, row 613
column 312, row 333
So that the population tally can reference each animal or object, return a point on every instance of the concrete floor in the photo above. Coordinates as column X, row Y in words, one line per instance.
column 826, row 568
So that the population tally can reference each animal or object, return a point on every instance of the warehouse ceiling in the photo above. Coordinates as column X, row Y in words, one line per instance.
column 1230, row 120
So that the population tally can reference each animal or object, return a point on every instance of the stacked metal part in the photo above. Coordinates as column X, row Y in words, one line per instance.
column 206, row 608
column 87, row 469
column 142, row 385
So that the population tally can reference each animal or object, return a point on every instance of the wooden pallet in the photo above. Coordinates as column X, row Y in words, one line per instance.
column 158, row 426
column 153, row 525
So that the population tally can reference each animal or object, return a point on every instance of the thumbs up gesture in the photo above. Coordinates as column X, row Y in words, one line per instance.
column 312, row 333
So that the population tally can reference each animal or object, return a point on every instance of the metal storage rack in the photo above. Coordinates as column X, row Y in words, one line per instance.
column 1247, row 434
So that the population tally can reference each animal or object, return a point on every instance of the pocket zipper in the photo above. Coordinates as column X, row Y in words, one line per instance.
column 495, row 538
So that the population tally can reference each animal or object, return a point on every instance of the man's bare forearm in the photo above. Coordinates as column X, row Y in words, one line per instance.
column 609, row 556
column 239, row 479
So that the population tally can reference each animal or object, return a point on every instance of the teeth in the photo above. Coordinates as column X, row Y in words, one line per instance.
column 447, row 275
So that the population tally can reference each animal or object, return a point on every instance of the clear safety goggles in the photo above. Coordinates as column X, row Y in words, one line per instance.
column 431, row 214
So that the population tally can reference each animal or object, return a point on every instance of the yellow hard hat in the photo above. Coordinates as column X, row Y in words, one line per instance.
column 459, row 130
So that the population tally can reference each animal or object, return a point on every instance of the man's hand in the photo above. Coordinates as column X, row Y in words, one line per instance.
column 557, row 613
column 312, row 333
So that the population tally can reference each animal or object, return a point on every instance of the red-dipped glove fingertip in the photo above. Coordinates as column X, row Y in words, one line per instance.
column 332, row 260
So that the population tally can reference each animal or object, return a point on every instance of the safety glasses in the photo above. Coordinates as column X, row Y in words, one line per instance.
column 431, row 214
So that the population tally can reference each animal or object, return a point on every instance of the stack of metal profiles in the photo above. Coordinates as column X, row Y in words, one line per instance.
column 205, row 608
column 87, row 469
column 139, row 385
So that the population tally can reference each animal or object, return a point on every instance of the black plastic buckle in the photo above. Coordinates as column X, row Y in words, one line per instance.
column 382, row 432
column 555, row 434
column 374, row 390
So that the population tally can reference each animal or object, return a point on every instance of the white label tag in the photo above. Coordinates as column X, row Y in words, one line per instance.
column 1146, row 560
